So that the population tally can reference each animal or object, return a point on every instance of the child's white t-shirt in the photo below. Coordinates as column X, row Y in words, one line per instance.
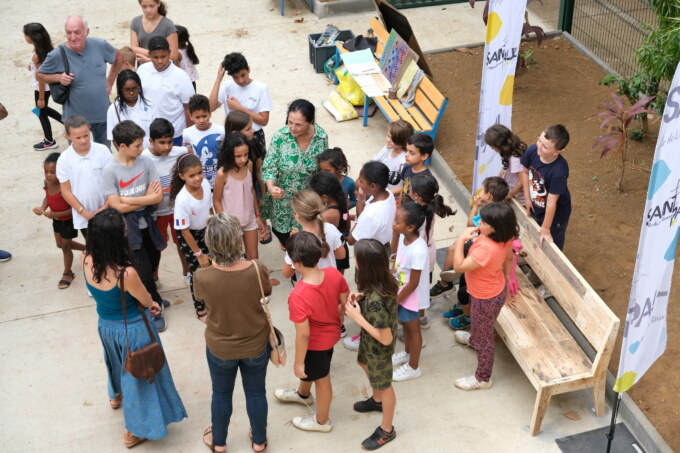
column 334, row 241
column 393, row 163
column 254, row 96
column 168, row 90
column 142, row 114
column 85, row 174
column 190, row 212
column 431, row 246
column 164, row 166
column 206, row 145
column 375, row 222
column 413, row 257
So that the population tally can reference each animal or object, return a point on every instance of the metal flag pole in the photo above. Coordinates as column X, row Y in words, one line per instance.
column 612, row 426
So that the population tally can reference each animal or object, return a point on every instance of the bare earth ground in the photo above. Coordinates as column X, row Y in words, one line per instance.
column 604, row 229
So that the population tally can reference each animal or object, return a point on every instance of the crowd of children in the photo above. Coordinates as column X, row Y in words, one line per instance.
column 173, row 168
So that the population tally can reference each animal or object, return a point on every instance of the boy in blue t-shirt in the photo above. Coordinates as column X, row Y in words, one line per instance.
column 203, row 138
column 545, row 175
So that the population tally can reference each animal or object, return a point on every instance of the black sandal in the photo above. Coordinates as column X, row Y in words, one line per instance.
column 267, row 237
column 63, row 284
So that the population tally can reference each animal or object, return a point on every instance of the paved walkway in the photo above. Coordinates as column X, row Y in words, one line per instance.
column 52, row 376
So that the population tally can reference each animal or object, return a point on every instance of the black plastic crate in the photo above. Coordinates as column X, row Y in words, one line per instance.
column 319, row 55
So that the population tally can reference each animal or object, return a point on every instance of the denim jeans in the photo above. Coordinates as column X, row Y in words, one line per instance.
column 99, row 134
column 223, row 377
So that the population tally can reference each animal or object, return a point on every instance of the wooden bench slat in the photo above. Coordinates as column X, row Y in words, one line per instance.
column 386, row 108
column 381, row 33
column 539, row 339
column 432, row 93
column 420, row 119
column 425, row 105
column 403, row 114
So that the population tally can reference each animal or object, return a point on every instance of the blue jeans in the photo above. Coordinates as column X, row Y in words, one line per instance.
column 223, row 377
column 99, row 134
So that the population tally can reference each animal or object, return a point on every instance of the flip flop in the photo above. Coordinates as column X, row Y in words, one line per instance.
column 267, row 237
column 63, row 284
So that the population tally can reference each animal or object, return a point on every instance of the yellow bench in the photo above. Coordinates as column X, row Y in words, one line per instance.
column 545, row 350
column 426, row 113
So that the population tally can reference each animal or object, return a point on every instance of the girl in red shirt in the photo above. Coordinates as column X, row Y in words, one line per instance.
column 56, row 208
column 486, row 268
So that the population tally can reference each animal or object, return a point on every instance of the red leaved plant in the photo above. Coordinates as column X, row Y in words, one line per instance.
column 615, row 119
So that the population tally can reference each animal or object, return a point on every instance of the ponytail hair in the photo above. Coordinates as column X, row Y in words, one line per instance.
column 162, row 8
column 184, row 162
column 427, row 188
column 183, row 42
column 307, row 205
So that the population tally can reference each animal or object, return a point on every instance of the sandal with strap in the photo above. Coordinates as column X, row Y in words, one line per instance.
column 208, row 440
column 116, row 403
column 63, row 283
column 266, row 238
column 130, row 440
column 252, row 444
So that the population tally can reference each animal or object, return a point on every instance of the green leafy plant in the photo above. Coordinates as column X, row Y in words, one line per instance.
column 615, row 119
column 637, row 135
column 527, row 29
column 660, row 51
column 639, row 84
column 528, row 57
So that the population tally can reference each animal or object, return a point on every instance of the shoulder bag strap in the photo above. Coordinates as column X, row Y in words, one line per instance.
column 264, row 301
column 122, row 300
column 141, row 310
column 64, row 59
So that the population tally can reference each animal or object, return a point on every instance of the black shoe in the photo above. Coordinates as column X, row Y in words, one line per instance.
column 166, row 303
column 368, row 405
column 45, row 144
column 378, row 439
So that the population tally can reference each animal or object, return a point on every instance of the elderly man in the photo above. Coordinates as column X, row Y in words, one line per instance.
column 87, row 58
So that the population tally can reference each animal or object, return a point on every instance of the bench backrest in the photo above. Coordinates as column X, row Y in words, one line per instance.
column 598, row 324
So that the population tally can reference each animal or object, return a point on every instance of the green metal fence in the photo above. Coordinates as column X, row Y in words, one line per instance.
column 402, row 4
column 611, row 29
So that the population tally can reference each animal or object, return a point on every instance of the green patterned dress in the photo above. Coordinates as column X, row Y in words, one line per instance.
column 289, row 167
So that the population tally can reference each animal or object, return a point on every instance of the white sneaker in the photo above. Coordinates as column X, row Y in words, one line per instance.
column 405, row 372
column 292, row 396
column 462, row 337
column 471, row 383
column 309, row 423
column 399, row 358
column 187, row 279
column 352, row 343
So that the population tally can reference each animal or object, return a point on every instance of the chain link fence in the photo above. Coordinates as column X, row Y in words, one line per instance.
column 612, row 30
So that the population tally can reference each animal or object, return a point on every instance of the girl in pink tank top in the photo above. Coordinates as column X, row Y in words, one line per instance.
column 233, row 191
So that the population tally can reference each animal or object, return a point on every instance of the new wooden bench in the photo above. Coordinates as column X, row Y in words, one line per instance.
column 547, row 353
column 429, row 105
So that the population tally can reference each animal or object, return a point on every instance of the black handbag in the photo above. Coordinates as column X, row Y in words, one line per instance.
column 58, row 91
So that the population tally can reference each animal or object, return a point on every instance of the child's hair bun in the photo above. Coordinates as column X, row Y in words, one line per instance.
column 394, row 178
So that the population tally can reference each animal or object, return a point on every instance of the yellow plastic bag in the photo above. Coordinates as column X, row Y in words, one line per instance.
column 340, row 108
column 348, row 87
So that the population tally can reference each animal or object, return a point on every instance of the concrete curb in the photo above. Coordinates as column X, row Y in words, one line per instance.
column 629, row 412
column 325, row 9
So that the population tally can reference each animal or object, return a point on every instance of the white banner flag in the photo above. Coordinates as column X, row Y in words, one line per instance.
column 644, row 338
column 503, row 33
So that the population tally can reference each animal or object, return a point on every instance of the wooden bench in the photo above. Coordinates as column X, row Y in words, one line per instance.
column 545, row 350
column 429, row 105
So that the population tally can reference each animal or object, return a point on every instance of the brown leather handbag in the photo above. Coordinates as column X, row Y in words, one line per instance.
column 278, row 344
column 145, row 362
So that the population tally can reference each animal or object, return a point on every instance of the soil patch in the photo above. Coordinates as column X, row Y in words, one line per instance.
column 602, row 239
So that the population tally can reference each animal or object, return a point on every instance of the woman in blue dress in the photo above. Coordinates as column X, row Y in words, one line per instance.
column 147, row 407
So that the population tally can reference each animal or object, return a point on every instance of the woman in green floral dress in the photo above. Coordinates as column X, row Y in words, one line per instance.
column 290, row 161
